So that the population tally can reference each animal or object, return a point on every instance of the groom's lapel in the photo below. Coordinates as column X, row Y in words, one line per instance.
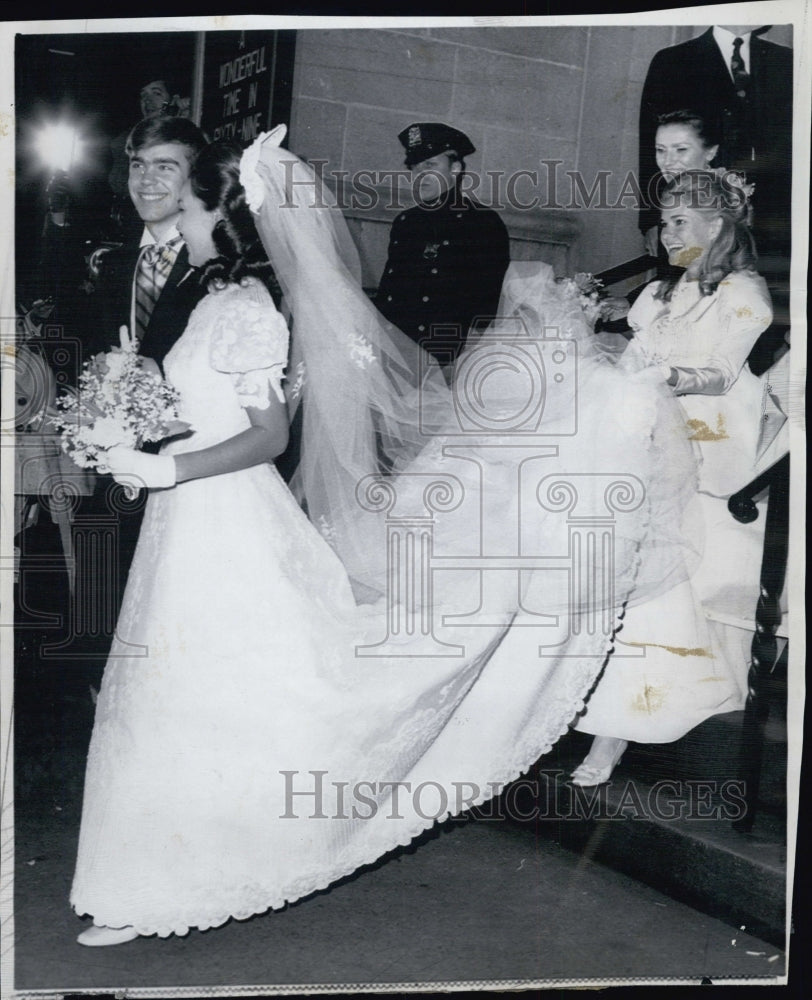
column 180, row 272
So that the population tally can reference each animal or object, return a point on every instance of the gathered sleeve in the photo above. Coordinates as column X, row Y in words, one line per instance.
column 250, row 343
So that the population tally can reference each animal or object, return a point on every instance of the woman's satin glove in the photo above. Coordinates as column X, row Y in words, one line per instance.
column 614, row 308
column 136, row 469
column 699, row 381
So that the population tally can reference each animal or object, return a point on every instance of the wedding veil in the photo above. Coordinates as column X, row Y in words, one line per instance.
column 372, row 399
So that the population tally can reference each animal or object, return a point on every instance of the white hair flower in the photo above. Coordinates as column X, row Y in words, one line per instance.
column 249, row 177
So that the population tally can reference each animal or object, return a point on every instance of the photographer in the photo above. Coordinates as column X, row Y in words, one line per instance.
column 55, row 268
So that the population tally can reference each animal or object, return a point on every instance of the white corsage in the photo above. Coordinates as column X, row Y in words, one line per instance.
column 249, row 176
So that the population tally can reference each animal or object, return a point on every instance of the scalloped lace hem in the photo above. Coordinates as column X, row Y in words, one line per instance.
column 255, row 901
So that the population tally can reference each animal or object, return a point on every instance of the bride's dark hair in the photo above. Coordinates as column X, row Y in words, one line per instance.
column 215, row 180
column 725, row 194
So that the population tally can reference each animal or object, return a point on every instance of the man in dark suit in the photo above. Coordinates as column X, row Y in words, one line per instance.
column 448, row 254
column 742, row 84
column 160, row 152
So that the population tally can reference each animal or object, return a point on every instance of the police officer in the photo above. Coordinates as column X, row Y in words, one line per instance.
column 448, row 254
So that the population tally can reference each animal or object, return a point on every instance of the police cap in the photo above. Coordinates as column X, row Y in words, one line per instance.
column 422, row 140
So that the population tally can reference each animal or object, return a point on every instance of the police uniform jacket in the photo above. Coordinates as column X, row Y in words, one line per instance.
column 444, row 270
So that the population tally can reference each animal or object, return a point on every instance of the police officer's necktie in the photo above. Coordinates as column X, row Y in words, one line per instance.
column 741, row 77
column 153, row 269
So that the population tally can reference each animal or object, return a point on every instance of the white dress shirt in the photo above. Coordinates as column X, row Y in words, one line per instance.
column 724, row 39
column 147, row 239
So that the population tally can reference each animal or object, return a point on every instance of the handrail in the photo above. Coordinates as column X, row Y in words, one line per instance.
column 764, row 649
column 626, row 270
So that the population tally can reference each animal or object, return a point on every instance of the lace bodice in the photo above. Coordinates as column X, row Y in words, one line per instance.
column 231, row 356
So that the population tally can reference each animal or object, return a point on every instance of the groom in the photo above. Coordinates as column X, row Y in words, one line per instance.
column 148, row 286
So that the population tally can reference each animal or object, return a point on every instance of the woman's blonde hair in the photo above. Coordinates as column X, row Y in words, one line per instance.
column 725, row 194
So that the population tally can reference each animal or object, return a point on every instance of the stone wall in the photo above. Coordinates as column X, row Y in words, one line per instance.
column 523, row 95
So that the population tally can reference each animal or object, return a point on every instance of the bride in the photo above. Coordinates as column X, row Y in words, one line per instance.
column 283, row 704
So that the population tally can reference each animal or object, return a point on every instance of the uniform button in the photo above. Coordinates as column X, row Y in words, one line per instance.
column 445, row 243
column 421, row 328
column 391, row 270
column 394, row 243
column 458, row 214
column 425, row 298
column 388, row 298
column 434, row 270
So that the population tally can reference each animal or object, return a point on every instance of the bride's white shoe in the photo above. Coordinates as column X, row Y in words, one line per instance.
column 597, row 767
column 99, row 937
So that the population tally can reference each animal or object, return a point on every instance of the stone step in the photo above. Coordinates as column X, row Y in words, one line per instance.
column 668, row 822
column 711, row 753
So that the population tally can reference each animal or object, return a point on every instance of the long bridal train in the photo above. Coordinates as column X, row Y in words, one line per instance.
column 306, row 700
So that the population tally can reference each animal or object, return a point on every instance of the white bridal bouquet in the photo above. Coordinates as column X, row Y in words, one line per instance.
column 589, row 292
column 120, row 400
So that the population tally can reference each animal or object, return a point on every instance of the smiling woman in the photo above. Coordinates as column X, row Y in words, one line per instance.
column 684, row 141
column 698, row 330
column 686, row 235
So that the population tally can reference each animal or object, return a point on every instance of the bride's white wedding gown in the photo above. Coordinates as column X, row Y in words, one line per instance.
column 243, row 739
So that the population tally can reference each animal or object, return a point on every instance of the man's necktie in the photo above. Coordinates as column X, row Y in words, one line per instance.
column 153, row 269
column 740, row 75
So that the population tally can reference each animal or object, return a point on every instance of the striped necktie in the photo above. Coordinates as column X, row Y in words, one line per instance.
column 151, row 273
column 740, row 75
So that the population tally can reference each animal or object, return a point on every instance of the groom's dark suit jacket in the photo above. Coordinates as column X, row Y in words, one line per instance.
column 693, row 75
column 111, row 310
column 113, row 295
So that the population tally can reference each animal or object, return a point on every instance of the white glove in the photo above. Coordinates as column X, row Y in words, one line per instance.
column 135, row 469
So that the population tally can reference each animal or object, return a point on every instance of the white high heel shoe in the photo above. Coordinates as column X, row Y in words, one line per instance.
column 597, row 767
column 100, row 937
